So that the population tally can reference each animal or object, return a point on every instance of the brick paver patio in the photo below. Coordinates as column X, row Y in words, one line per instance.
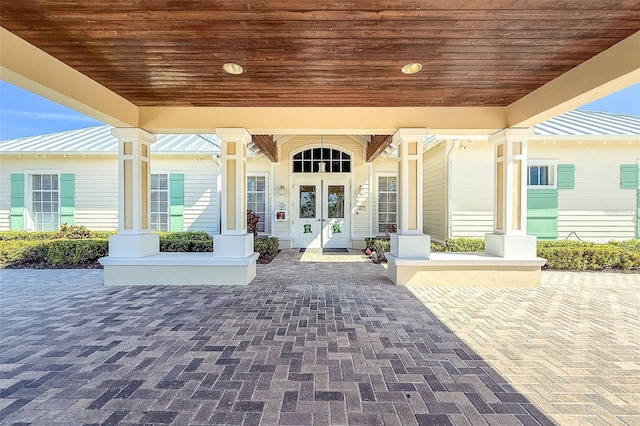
column 313, row 342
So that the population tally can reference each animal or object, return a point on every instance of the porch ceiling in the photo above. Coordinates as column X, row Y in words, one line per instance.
column 167, row 55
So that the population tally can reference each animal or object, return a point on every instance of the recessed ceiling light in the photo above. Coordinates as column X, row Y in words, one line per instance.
column 412, row 68
column 232, row 68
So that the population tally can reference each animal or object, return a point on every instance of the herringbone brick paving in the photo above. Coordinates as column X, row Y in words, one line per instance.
column 312, row 342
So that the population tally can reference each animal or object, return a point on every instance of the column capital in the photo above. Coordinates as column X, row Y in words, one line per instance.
column 511, row 133
column 234, row 133
column 133, row 133
column 405, row 133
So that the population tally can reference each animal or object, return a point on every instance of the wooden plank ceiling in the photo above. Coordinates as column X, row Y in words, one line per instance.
column 322, row 52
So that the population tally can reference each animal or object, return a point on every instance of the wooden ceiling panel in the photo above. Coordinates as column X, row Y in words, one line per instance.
column 321, row 52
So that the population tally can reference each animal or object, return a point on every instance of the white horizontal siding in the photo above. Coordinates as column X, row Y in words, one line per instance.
column 598, row 226
column 472, row 224
column 434, row 193
column 96, row 192
column 201, row 198
column 96, row 187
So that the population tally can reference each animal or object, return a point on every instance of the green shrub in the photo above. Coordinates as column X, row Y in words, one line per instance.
column 588, row 256
column 25, row 235
column 48, row 235
column 463, row 244
column 101, row 235
column 18, row 251
column 186, row 242
column 75, row 253
column 266, row 247
column 73, row 232
column 435, row 248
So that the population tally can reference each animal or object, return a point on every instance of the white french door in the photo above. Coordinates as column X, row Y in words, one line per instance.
column 321, row 213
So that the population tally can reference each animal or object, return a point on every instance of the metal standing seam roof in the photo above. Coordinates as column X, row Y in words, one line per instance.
column 589, row 123
column 99, row 139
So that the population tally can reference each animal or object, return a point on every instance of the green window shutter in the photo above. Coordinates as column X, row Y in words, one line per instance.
column 628, row 176
column 67, row 198
column 638, row 215
column 542, row 213
column 566, row 176
column 16, row 217
column 176, row 202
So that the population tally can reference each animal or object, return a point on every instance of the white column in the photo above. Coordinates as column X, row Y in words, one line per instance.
column 233, row 241
column 509, row 238
column 409, row 241
column 134, row 238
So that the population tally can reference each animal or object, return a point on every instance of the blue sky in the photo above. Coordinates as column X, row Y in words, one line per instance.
column 24, row 114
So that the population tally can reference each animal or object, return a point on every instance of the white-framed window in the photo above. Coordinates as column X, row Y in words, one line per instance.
column 387, row 186
column 159, row 202
column 308, row 161
column 257, row 199
column 541, row 174
column 44, row 201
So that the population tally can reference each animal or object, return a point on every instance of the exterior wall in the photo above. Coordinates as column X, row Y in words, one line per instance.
column 435, row 193
column 596, row 209
column 96, row 187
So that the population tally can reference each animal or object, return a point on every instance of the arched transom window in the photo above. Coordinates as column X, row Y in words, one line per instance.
column 308, row 161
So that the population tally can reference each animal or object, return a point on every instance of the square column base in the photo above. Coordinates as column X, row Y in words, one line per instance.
column 414, row 246
column 232, row 246
column 134, row 245
column 511, row 246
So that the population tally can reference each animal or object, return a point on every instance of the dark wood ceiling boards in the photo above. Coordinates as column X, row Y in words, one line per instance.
column 322, row 52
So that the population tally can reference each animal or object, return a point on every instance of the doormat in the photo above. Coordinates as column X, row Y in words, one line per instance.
column 335, row 250
column 302, row 250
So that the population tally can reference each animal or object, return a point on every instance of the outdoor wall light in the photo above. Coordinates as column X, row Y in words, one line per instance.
column 281, row 190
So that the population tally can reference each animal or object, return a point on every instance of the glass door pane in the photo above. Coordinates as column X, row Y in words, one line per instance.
column 307, row 201
column 335, row 202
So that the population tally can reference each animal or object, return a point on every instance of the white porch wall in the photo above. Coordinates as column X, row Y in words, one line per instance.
column 96, row 187
column 435, row 193
column 201, row 198
column 472, row 174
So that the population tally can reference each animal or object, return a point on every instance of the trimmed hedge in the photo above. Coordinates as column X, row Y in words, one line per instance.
column 47, row 235
column 587, row 256
column 462, row 245
column 189, row 242
column 75, row 253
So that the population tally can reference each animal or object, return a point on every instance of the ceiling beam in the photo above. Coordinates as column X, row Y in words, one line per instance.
column 28, row 67
column 323, row 120
column 267, row 146
column 377, row 146
column 612, row 70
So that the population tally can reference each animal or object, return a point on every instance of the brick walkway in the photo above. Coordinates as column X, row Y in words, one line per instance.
column 311, row 342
